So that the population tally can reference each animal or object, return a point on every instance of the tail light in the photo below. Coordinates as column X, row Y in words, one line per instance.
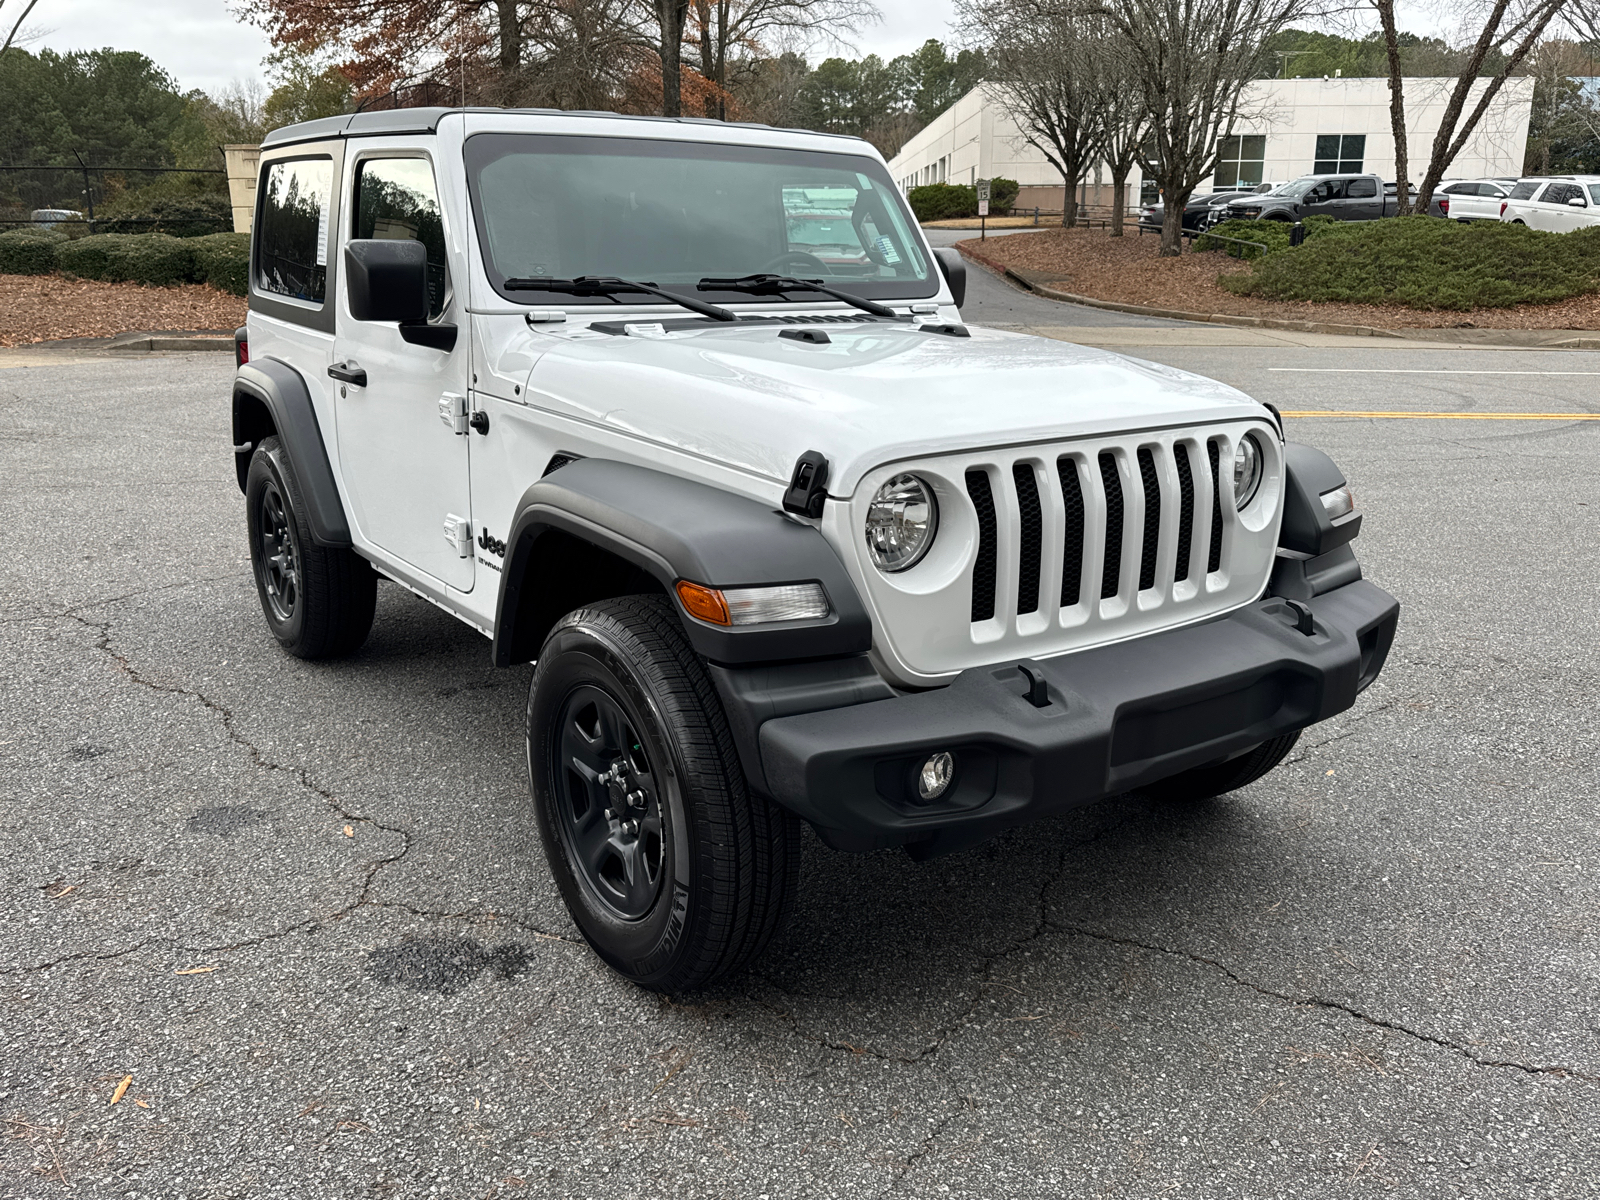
column 241, row 346
column 1444, row 206
column 1502, row 208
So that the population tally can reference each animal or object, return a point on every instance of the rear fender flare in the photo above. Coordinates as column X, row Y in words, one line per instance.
column 271, row 397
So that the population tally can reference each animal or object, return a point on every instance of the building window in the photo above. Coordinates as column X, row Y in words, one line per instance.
column 1340, row 154
column 1241, row 160
column 1149, row 193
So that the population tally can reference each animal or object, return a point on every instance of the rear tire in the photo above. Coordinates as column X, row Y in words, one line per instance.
column 672, row 870
column 1202, row 783
column 318, row 600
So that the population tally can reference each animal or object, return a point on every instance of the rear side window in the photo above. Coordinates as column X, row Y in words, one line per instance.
column 1362, row 189
column 396, row 198
column 292, row 229
column 1525, row 189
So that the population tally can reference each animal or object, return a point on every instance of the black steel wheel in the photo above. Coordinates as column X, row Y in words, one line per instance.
column 608, row 803
column 1201, row 783
column 318, row 600
column 672, row 870
column 279, row 556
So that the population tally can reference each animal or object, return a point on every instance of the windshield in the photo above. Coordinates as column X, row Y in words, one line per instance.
column 671, row 213
column 1297, row 189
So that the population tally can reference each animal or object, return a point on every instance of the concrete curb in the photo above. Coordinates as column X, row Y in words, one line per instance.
column 157, row 341
column 1518, row 338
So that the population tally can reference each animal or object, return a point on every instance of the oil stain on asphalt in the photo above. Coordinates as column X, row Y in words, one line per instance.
column 445, row 965
column 225, row 820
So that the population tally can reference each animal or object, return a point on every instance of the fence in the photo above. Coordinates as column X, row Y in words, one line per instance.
column 26, row 188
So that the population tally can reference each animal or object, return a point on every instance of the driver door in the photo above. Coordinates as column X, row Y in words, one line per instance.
column 405, row 469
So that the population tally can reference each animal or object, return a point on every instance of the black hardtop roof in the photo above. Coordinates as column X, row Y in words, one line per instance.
column 426, row 120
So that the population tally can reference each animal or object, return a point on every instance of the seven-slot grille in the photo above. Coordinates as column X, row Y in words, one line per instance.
column 1134, row 523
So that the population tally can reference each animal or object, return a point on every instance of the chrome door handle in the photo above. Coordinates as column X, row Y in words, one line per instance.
column 348, row 372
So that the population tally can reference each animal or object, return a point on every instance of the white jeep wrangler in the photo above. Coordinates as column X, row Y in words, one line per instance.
column 685, row 413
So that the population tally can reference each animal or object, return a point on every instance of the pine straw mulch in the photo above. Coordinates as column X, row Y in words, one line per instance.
column 1127, row 270
column 43, row 308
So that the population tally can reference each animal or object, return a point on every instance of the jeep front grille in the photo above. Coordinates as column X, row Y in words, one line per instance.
column 1047, row 549
column 1107, row 554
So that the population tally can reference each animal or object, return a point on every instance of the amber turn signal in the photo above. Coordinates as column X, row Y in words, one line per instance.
column 704, row 603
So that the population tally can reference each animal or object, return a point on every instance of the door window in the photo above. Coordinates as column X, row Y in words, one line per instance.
column 1558, row 193
column 1340, row 154
column 1362, row 189
column 396, row 198
column 292, row 229
column 1594, row 192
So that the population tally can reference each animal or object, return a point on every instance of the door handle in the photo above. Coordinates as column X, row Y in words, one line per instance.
column 348, row 372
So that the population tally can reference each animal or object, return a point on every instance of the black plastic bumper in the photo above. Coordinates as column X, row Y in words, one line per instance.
column 1119, row 717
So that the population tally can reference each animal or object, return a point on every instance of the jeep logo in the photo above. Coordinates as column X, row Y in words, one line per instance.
column 488, row 543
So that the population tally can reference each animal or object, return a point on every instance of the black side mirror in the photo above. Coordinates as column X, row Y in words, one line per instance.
column 954, row 269
column 387, row 280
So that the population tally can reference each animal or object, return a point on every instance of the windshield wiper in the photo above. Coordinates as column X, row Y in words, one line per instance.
column 606, row 285
column 777, row 285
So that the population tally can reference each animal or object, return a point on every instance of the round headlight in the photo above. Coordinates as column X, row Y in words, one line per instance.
column 901, row 523
column 1246, row 471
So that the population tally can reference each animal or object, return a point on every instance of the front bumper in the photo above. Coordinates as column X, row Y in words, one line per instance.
column 1119, row 717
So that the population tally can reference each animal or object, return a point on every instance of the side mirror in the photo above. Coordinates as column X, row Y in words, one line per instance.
column 1577, row 202
column 954, row 269
column 387, row 280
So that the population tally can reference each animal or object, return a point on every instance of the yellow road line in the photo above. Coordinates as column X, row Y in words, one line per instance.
column 1451, row 416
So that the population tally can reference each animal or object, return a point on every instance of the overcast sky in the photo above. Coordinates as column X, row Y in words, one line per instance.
column 203, row 46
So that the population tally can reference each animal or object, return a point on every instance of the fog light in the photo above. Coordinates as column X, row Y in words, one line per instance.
column 934, row 778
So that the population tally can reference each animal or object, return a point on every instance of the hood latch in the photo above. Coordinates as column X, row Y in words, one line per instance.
column 808, row 486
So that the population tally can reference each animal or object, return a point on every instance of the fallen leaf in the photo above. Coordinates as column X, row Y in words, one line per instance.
column 349, row 832
column 194, row 970
column 122, row 1088
column 142, row 1103
column 1329, row 771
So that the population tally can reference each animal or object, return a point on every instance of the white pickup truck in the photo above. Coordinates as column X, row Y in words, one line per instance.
column 686, row 414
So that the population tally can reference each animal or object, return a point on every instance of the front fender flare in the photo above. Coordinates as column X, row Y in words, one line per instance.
column 674, row 529
column 283, row 392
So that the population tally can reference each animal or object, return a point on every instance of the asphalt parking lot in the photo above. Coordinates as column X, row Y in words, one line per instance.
column 302, row 906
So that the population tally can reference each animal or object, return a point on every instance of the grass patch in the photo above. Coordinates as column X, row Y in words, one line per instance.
column 1424, row 263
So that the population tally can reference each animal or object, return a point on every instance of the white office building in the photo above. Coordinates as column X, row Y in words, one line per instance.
column 1290, row 127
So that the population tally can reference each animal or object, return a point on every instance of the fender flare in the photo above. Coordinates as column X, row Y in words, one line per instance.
column 672, row 529
column 283, row 392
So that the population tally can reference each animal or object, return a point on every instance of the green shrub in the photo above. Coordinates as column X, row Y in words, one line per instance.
column 943, row 201
column 155, row 259
column 180, row 216
column 29, row 251
column 1003, row 195
column 223, row 261
column 1423, row 262
column 1273, row 234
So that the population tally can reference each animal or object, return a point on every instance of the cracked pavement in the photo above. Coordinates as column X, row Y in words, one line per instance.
column 304, row 908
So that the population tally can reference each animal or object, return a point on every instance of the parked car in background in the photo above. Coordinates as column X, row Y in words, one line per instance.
column 1470, row 200
column 49, row 218
column 1343, row 197
column 1554, row 205
column 1199, row 214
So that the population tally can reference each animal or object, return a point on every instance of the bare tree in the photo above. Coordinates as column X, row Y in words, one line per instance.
column 1191, row 61
column 1513, row 28
column 26, row 7
column 723, row 29
column 1126, row 128
column 1047, row 61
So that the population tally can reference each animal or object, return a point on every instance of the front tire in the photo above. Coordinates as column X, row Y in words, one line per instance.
column 318, row 600
column 1202, row 783
column 673, row 872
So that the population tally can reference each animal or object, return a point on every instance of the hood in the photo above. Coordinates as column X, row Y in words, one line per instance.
column 876, row 393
